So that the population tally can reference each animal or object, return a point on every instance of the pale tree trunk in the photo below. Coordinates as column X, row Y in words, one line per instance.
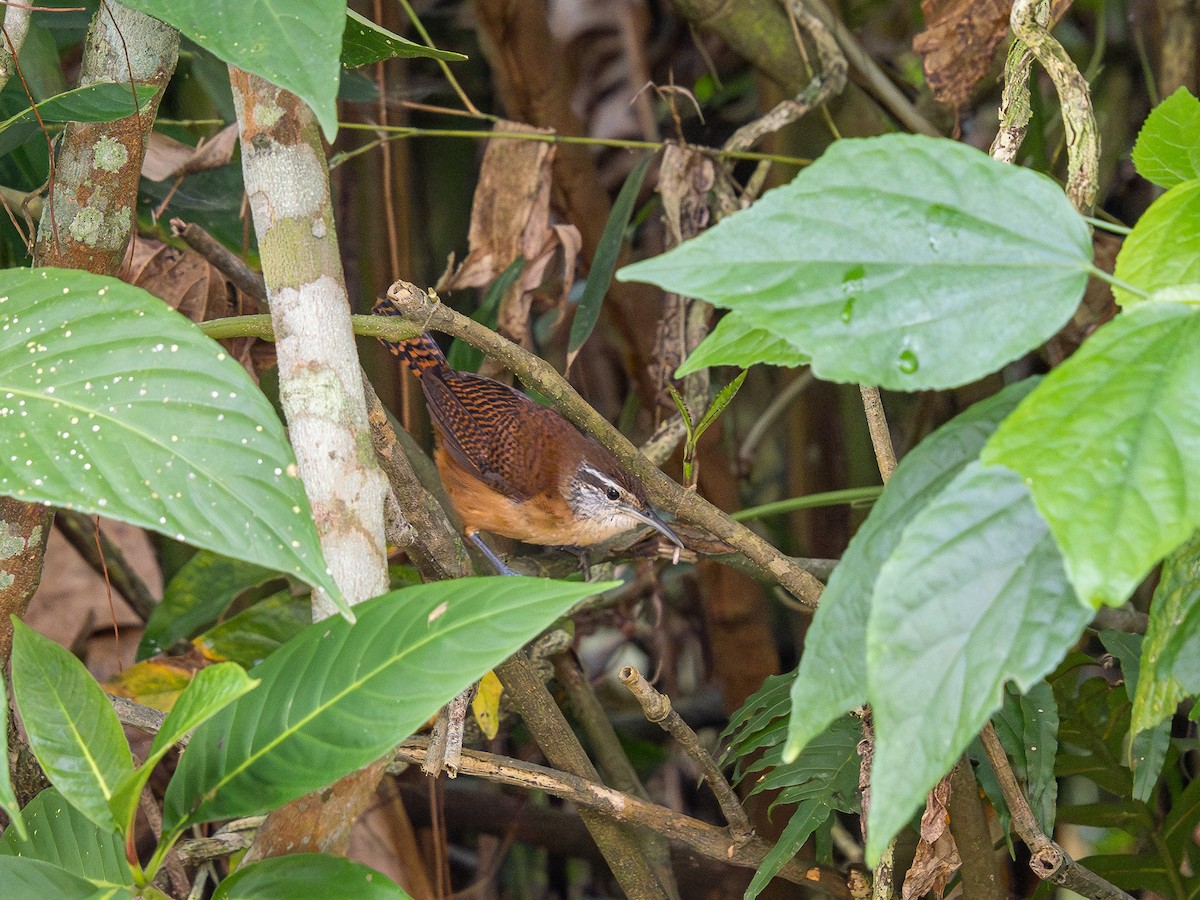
column 287, row 181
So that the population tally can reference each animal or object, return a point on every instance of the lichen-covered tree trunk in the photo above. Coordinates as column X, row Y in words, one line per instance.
column 93, row 198
column 287, row 181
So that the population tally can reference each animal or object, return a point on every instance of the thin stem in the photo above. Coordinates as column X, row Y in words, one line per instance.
column 1048, row 860
column 808, row 501
column 881, row 438
column 462, row 95
column 405, row 131
column 1097, row 272
column 1114, row 227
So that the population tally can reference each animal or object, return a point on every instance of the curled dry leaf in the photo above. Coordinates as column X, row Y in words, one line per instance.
column 510, row 217
column 188, row 282
column 958, row 43
column 169, row 158
column 936, row 859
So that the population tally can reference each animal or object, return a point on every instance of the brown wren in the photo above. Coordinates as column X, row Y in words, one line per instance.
column 517, row 469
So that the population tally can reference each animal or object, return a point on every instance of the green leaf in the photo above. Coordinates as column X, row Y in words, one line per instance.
column 1027, row 725
column 340, row 696
column 1109, row 444
column 1147, row 749
column 72, row 728
column 8, row 800
column 822, row 780
column 113, row 403
column 30, row 878
column 973, row 596
column 364, row 43
column 211, row 690
column 832, row 678
column 308, row 876
column 61, row 835
column 1170, row 663
column 1167, row 151
column 735, row 341
column 293, row 45
column 196, row 597
column 255, row 633
column 1163, row 250
column 605, row 261
column 881, row 261
column 722, row 400
column 104, row 102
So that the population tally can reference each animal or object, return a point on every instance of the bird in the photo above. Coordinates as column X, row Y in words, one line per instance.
column 514, row 468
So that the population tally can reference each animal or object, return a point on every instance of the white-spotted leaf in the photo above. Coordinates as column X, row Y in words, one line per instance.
column 113, row 403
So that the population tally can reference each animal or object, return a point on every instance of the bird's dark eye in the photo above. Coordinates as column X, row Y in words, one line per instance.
column 613, row 494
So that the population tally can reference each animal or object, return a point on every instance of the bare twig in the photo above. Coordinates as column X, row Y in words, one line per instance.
column 703, row 838
column 881, row 438
column 657, row 708
column 248, row 281
column 80, row 532
column 1047, row 859
column 446, row 740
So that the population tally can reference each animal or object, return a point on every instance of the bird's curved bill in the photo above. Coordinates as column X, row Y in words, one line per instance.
column 651, row 518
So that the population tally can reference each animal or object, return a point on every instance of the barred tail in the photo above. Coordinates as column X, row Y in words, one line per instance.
column 420, row 353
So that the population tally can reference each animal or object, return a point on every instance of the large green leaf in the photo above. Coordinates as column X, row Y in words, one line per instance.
column 308, row 876
column 213, row 688
column 33, row 878
column 881, row 261
column 113, row 403
column 61, row 835
column 364, row 43
column 341, row 695
column 1109, row 444
column 1167, row 151
column 1170, row 663
column 102, row 102
column 72, row 728
column 736, row 340
column 8, row 800
column 832, row 678
column 295, row 44
column 973, row 596
column 1163, row 250
column 196, row 597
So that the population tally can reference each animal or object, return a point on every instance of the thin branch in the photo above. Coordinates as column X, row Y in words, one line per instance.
column 80, row 532
column 1048, row 860
column 657, row 708
column 881, row 438
column 705, row 839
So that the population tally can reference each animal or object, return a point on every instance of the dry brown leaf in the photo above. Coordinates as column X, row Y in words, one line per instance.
column 958, row 43
column 510, row 217
column 188, row 282
column 169, row 158
column 936, row 859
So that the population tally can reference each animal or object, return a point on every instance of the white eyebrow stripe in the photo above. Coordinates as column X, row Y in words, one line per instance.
column 602, row 478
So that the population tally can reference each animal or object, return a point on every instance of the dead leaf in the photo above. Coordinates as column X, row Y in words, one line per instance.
column 169, row 158
column 185, row 280
column 958, row 43
column 936, row 859
column 510, row 217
